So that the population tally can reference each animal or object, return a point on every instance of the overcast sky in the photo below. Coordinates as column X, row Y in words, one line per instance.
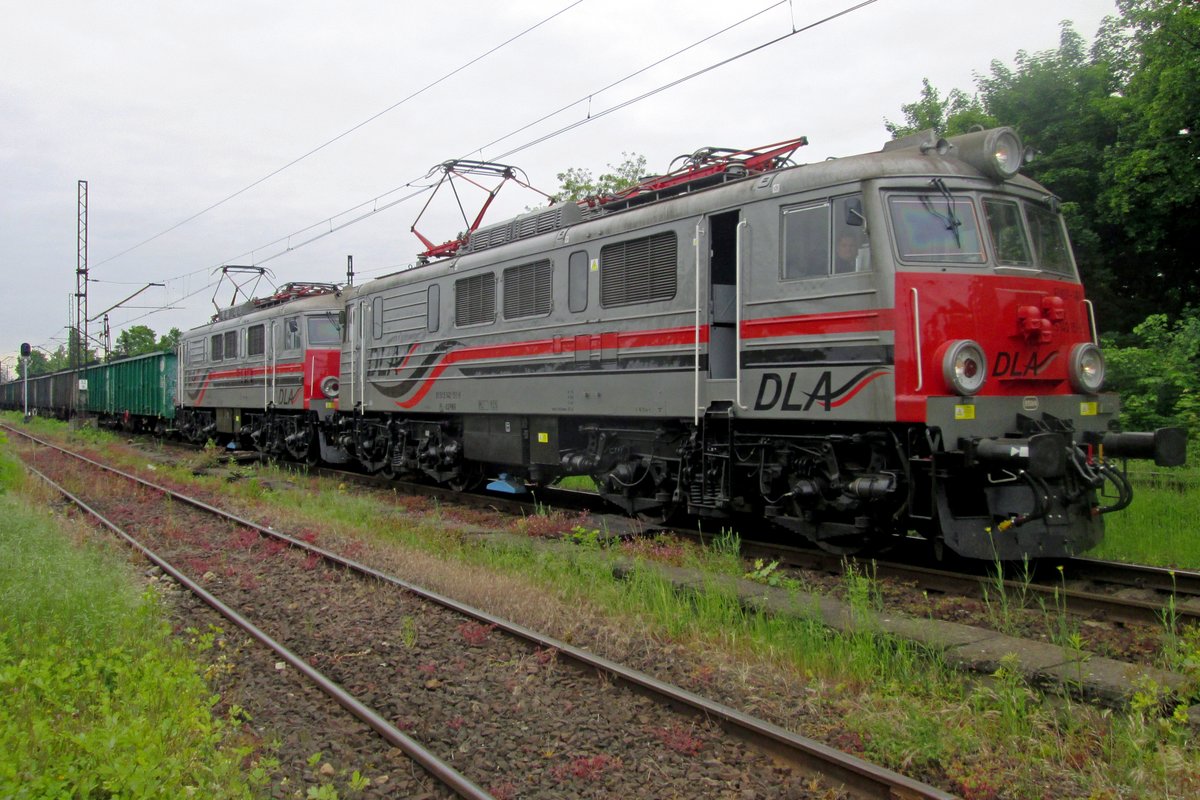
column 169, row 108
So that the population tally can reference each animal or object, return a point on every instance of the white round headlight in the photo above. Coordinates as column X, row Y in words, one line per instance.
column 964, row 367
column 329, row 386
column 996, row 153
column 1087, row 368
column 1007, row 153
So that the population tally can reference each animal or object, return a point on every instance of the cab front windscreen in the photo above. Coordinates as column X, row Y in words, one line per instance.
column 977, row 230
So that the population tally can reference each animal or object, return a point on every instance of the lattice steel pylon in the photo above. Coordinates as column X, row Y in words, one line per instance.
column 79, row 351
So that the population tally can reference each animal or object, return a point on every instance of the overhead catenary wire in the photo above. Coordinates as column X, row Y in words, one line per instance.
column 187, row 296
column 590, row 95
column 672, row 84
column 328, row 222
column 329, row 227
column 342, row 135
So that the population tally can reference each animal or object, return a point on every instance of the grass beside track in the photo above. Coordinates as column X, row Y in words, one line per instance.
column 97, row 700
column 884, row 698
column 1162, row 525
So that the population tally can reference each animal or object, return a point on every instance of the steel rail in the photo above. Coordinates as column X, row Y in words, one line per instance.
column 1182, row 584
column 439, row 769
column 1161, row 579
column 1124, row 609
column 807, row 755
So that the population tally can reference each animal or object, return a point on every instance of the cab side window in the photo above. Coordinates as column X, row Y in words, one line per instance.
column 825, row 238
column 806, row 241
column 291, row 333
column 851, row 250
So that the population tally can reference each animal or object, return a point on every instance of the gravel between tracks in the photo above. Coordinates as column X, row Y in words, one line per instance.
column 517, row 721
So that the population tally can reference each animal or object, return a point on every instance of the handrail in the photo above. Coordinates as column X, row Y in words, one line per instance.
column 1092, row 321
column 737, row 343
column 269, row 387
column 696, row 346
column 362, row 354
column 916, row 304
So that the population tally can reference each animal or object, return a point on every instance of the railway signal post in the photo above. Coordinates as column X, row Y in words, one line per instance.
column 25, row 351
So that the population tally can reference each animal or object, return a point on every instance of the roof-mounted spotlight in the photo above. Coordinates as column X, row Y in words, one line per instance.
column 938, row 145
column 996, row 153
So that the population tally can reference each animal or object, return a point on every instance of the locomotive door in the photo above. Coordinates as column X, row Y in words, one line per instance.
column 349, row 368
column 360, row 353
column 722, row 295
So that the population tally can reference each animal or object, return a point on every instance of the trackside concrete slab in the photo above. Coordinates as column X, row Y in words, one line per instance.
column 967, row 647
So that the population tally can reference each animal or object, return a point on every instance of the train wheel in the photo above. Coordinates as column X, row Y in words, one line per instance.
column 303, row 448
column 665, row 514
column 376, row 466
column 843, row 545
column 469, row 478
column 313, row 457
column 388, row 468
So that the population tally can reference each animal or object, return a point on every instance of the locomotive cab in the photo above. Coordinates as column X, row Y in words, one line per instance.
column 923, row 358
column 998, row 359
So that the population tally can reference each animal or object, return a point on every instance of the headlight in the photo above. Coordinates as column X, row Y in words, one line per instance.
column 964, row 367
column 997, row 152
column 1007, row 153
column 329, row 386
column 1087, row 368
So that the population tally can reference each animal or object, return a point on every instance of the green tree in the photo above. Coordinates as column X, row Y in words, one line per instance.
column 1156, row 373
column 135, row 341
column 37, row 364
column 1151, row 179
column 170, row 340
column 59, row 359
column 1115, row 132
column 950, row 116
column 577, row 183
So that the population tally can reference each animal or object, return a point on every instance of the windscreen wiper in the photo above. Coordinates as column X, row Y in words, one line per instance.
column 953, row 223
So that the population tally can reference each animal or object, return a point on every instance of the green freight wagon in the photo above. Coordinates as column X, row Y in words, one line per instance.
column 135, row 393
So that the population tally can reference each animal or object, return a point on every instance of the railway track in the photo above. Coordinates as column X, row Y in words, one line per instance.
column 1105, row 590
column 670, row 725
column 1084, row 586
column 1108, row 592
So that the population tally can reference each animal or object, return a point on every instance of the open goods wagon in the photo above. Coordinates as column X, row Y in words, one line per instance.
column 51, row 394
column 140, row 388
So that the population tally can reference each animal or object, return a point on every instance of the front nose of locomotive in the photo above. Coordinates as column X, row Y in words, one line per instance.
column 1005, row 373
column 1042, row 442
column 1022, row 395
